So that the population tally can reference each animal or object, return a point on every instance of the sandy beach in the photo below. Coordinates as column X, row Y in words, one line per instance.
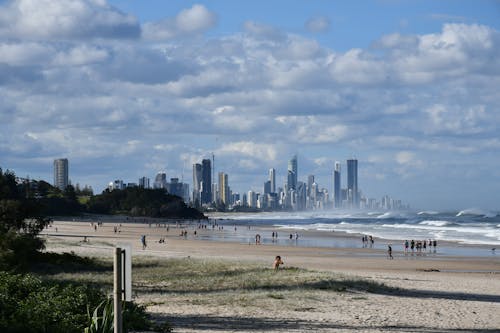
column 437, row 293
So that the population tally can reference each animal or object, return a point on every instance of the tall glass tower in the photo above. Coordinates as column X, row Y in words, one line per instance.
column 196, row 182
column 61, row 173
column 292, row 173
column 272, row 179
column 336, row 186
column 352, row 183
column 206, row 181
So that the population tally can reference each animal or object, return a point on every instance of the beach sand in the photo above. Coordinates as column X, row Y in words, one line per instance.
column 437, row 293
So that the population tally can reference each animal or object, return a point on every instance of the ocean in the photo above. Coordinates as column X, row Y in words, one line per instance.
column 471, row 231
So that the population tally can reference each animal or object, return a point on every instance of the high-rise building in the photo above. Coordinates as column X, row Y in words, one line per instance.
column 272, row 179
column 310, row 181
column 223, row 188
column 292, row 173
column 252, row 199
column 197, row 180
column 352, row 183
column 61, row 173
column 160, row 181
column 206, row 181
column 144, row 182
column 267, row 187
column 336, row 186
column 116, row 185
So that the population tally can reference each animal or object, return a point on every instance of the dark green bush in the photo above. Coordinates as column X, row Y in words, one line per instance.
column 30, row 305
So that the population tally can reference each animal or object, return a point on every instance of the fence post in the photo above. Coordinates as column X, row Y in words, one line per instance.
column 117, row 291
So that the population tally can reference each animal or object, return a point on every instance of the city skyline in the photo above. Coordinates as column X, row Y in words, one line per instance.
column 125, row 89
column 293, row 195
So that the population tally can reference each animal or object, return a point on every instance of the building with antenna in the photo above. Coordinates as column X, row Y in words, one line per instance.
column 292, row 173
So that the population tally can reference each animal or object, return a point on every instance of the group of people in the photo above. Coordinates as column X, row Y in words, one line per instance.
column 367, row 240
column 419, row 246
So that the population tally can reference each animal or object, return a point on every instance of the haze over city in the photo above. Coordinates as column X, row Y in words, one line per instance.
column 125, row 89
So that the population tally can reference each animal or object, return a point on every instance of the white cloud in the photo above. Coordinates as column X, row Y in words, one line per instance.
column 359, row 67
column 312, row 129
column 250, row 150
column 456, row 119
column 191, row 21
column 25, row 53
column 62, row 19
column 80, row 55
column 251, row 97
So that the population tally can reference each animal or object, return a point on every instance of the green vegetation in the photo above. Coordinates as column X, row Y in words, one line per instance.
column 141, row 202
column 51, row 201
column 28, row 304
column 45, row 304
column 21, row 220
column 212, row 276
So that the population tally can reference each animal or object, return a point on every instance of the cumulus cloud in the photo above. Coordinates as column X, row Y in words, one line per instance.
column 191, row 21
column 63, row 19
column 318, row 24
column 250, row 97
column 357, row 66
column 249, row 149
column 80, row 55
column 456, row 119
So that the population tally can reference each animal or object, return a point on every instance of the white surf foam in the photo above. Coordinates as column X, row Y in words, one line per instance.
column 436, row 223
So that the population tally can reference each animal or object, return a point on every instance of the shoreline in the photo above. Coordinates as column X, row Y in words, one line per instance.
column 245, row 233
column 244, row 237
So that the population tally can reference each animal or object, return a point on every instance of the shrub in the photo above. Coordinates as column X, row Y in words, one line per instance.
column 28, row 304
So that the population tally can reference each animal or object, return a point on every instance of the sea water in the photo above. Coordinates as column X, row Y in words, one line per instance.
column 472, row 231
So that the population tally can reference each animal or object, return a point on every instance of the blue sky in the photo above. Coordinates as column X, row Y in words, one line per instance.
column 125, row 89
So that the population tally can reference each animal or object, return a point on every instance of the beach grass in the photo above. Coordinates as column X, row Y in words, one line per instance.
column 196, row 276
column 201, row 276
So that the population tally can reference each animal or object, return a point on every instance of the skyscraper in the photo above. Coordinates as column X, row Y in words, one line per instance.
column 336, row 186
column 267, row 187
column 160, row 181
column 197, row 179
column 61, row 173
column 144, row 182
column 223, row 188
column 352, row 183
column 206, row 181
column 292, row 173
column 310, row 181
column 272, row 179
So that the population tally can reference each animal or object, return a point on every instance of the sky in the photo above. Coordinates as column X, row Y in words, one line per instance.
column 126, row 89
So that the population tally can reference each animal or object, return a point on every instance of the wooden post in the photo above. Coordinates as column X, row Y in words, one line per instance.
column 117, row 291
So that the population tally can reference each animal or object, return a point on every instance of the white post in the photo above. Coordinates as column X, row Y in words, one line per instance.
column 117, row 291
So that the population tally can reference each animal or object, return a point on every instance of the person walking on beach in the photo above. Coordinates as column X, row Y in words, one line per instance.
column 257, row 239
column 407, row 244
column 143, row 241
column 389, row 252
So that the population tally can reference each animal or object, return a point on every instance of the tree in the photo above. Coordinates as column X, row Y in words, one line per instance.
column 21, row 220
